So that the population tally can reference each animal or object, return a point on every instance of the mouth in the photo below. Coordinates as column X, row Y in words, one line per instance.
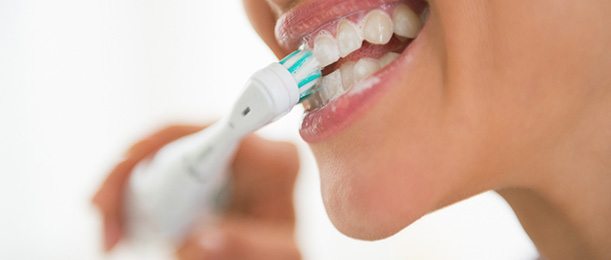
column 360, row 44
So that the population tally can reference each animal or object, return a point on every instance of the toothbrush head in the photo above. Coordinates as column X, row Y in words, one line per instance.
column 305, row 69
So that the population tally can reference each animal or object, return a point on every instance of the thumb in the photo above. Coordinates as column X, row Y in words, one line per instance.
column 263, row 180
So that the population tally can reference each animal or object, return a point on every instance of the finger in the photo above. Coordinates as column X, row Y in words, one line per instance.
column 264, row 174
column 112, row 231
column 241, row 239
column 109, row 197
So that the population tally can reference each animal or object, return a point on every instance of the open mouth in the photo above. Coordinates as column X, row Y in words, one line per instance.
column 356, row 41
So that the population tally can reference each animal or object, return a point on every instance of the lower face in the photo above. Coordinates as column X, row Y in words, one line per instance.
column 426, row 103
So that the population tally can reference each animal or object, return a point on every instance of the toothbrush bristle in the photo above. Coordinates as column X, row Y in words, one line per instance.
column 306, row 70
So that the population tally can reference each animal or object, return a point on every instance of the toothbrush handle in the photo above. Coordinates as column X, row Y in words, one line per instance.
column 166, row 194
column 181, row 183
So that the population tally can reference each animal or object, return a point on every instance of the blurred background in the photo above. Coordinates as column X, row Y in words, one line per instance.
column 80, row 80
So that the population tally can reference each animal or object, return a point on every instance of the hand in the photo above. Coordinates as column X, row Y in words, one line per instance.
column 259, row 222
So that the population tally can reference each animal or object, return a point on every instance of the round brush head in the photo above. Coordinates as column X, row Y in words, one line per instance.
column 306, row 71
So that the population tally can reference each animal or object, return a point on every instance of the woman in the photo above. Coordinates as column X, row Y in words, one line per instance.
column 511, row 96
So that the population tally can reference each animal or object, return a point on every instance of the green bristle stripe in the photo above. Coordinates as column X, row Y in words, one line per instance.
column 300, row 62
column 306, row 95
column 289, row 57
column 314, row 76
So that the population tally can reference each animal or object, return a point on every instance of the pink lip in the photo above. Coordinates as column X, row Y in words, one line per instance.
column 322, row 123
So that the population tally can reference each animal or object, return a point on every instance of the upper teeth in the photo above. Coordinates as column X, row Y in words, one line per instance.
column 348, row 38
column 325, row 48
column 377, row 27
column 406, row 22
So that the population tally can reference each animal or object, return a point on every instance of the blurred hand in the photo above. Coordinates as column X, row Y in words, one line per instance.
column 259, row 222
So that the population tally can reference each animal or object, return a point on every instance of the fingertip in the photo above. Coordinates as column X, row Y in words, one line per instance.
column 112, row 233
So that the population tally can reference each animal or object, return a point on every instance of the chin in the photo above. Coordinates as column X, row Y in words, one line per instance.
column 374, row 193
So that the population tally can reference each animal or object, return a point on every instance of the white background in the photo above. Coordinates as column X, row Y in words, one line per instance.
column 82, row 79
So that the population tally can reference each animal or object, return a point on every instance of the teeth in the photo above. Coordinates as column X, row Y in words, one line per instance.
column 378, row 27
column 340, row 81
column 388, row 58
column 348, row 38
column 365, row 67
column 347, row 71
column 406, row 22
column 331, row 85
column 325, row 48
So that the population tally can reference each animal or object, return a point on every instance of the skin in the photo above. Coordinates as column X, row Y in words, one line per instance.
column 511, row 96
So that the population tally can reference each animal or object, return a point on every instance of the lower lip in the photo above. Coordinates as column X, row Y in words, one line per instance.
column 321, row 124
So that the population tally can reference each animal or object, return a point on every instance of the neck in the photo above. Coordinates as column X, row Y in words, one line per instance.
column 567, row 211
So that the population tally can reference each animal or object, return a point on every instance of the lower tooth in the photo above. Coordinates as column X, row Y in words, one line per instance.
column 347, row 71
column 331, row 85
column 365, row 67
column 388, row 58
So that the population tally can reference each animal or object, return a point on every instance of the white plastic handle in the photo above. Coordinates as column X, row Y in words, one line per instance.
column 167, row 193
column 170, row 191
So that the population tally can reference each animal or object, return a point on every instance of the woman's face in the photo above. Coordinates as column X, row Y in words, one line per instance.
column 479, row 99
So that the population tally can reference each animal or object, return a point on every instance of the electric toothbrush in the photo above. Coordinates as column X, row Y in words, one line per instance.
column 167, row 193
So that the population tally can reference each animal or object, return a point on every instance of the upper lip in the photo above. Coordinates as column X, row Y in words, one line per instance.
column 310, row 15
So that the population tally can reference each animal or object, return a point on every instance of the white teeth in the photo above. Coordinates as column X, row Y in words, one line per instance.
column 347, row 71
column 348, row 38
column 388, row 58
column 331, row 85
column 325, row 48
column 406, row 22
column 365, row 67
column 342, row 80
column 377, row 27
